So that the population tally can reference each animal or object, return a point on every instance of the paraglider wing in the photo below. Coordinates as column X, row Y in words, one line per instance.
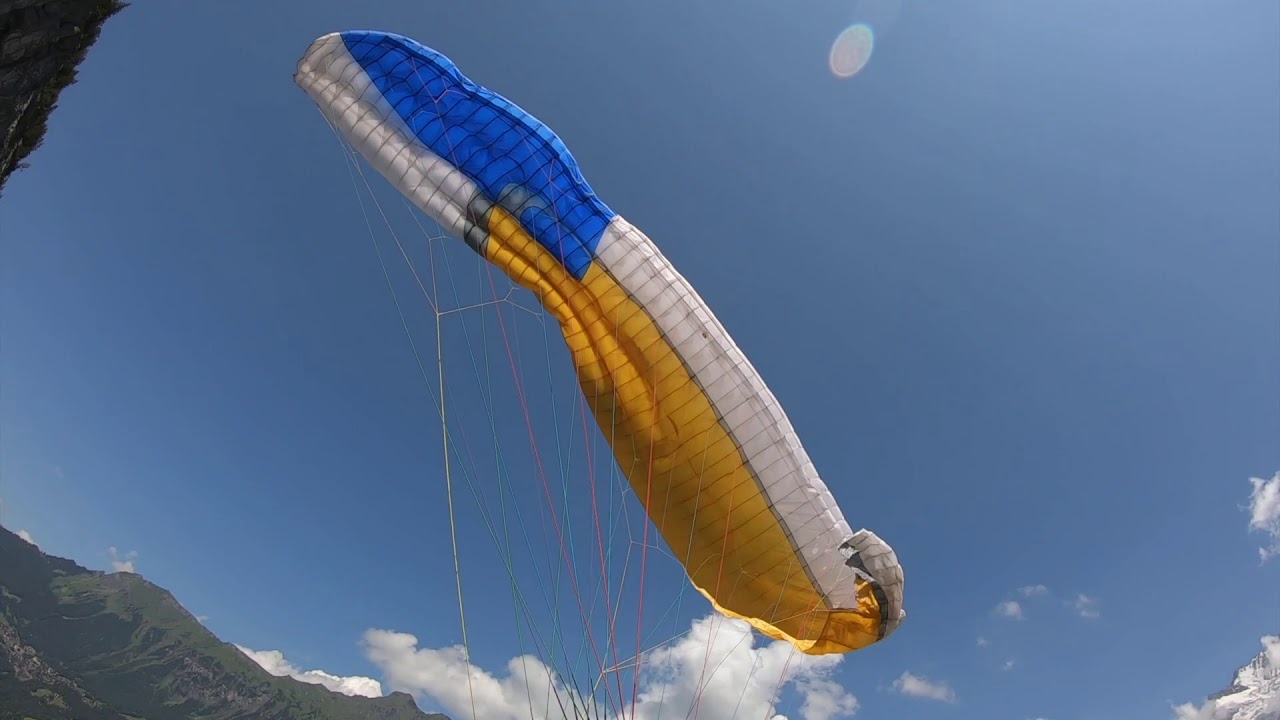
column 699, row 436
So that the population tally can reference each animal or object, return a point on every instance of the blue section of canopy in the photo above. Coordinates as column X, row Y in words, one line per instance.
column 517, row 161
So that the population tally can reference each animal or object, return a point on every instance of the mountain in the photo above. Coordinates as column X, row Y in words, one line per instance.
column 41, row 43
column 77, row 644
column 1254, row 693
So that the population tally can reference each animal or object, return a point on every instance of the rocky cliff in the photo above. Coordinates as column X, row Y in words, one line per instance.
column 41, row 44
column 1254, row 692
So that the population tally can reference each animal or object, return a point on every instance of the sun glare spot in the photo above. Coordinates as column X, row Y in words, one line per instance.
column 851, row 50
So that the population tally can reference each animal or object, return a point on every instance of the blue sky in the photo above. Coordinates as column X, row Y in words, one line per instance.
column 1015, row 284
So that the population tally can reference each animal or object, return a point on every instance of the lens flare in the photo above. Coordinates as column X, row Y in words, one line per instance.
column 851, row 50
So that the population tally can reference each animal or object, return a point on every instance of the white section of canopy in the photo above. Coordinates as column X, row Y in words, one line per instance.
column 354, row 104
column 755, row 419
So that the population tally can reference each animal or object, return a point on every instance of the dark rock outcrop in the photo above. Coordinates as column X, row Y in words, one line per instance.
column 41, row 44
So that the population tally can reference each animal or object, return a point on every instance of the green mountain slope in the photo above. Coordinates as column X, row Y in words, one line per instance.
column 82, row 645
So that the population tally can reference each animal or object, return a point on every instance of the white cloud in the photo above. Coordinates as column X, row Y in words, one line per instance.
column 717, row 667
column 1188, row 711
column 27, row 536
column 1264, row 513
column 916, row 686
column 1086, row 607
column 274, row 662
column 444, row 676
column 1010, row 609
column 1271, row 644
column 983, row 642
column 826, row 700
column 123, row 563
column 1008, row 665
column 1033, row 590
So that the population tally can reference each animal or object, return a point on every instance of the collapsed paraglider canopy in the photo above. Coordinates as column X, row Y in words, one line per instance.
column 702, row 440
